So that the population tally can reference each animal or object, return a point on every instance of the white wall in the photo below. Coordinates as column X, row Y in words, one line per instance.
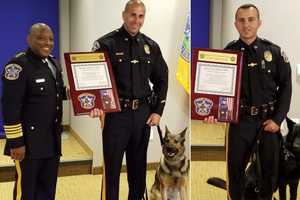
column 64, row 46
column 165, row 21
column 215, row 24
column 279, row 25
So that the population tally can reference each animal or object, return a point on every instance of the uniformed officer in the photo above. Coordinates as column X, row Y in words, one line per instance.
column 265, row 101
column 136, row 59
column 32, row 110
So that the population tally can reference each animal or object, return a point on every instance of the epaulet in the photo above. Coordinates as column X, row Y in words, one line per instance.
column 267, row 41
column 148, row 39
column 104, row 40
column 109, row 35
column 231, row 44
column 19, row 54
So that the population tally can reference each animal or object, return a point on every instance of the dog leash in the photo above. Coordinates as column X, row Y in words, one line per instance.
column 145, row 197
column 160, row 135
column 220, row 183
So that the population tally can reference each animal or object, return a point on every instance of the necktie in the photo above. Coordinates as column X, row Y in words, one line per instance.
column 51, row 67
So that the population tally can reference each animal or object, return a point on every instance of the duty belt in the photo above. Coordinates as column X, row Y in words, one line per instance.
column 263, row 110
column 133, row 104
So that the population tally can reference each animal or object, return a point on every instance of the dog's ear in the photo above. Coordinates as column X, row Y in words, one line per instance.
column 167, row 131
column 182, row 134
column 290, row 124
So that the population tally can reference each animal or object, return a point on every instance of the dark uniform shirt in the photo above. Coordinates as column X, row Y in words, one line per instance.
column 136, row 61
column 32, row 105
column 266, row 75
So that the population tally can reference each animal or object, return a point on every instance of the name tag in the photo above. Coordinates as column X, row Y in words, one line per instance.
column 40, row 80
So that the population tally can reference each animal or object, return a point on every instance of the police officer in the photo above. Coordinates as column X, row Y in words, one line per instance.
column 32, row 111
column 265, row 101
column 135, row 60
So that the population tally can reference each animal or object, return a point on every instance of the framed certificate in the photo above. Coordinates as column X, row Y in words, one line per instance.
column 215, row 89
column 92, row 83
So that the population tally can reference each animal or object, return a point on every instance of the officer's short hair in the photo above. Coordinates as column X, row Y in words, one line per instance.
column 131, row 2
column 39, row 27
column 246, row 6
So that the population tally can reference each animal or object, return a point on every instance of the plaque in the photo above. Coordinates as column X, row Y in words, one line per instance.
column 216, row 81
column 91, row 81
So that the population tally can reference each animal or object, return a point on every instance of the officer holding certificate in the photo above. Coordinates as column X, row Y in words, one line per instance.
column 265, row 100
column 136, row 59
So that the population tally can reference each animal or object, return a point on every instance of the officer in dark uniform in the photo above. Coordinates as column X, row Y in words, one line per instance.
column 265, row 101
column 136, row 59
column 32, row 111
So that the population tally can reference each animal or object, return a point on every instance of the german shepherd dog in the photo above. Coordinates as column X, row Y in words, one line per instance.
column 171, row 176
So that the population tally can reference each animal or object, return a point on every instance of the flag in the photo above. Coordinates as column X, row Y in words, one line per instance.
column 183, row 69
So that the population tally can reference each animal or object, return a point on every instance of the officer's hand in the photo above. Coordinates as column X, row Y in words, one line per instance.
column 96, row 112
column 271, row 126
column 17, row 153
column 153, row 120
column 210, row 120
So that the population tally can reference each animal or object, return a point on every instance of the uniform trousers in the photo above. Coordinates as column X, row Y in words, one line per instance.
column 36, row 179
column 241, row 138
column 126, row 131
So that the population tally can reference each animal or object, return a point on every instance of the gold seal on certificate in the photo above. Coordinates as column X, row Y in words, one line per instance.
column 216, row 80
column 91, row 82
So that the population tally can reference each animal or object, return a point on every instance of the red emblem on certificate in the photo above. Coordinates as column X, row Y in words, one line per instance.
column 215, row 89
column 92, row 83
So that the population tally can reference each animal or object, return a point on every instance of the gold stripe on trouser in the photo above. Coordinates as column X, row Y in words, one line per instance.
column 226, row 149
column 18, row 181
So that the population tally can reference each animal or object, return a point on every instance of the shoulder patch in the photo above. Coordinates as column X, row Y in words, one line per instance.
column 96, row 46
column 12, row 71
column 285, row 58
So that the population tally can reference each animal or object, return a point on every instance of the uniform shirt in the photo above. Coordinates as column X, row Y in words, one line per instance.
column 32, row 105
column 266, row 75
column 136, row 61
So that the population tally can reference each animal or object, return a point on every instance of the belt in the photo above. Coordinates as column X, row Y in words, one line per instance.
column 133, row 104
column 263, row 110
